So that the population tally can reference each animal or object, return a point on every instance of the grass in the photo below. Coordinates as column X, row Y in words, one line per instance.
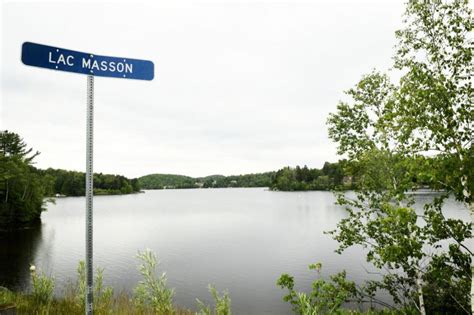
column 119, row 304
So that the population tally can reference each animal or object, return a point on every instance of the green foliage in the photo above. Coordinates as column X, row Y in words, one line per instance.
column 435, row 96
column 222, row 303
column 42, row 301
column 72, row 183
column 247, row 180
column 11, row 144
column 331, row 176
column 388, row 131
column 42, row 287
column 152, row 290
column 160, row 181
column 326, row 297
column 22, row 188
column 102, row 295
column 81, row 286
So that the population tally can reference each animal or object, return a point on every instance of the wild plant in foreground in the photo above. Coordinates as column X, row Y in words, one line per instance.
column 223, row 303
column 102, row 295
column 43, row 286
column 152, row 291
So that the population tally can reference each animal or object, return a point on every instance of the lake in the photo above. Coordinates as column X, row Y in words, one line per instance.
column 239, row 239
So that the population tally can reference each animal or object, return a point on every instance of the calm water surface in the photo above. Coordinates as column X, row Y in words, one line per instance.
column 236, row 239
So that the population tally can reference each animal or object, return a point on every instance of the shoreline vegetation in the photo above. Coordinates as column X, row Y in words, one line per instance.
column 62, row 183
column 331, row 176
column 151, row 295
column 339, row 176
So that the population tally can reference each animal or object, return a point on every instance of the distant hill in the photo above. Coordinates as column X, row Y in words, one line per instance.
column 164, row 181
column 330, row 176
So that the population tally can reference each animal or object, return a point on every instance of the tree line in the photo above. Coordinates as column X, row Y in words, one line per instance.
column 72, row 183
column 425, row 173
column 170, row 181
column 341, row 175
column 331, row 176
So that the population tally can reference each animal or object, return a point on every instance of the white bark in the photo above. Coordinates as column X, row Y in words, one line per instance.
column 419, row 284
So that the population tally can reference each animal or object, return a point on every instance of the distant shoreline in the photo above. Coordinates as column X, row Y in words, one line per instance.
column 59, row 196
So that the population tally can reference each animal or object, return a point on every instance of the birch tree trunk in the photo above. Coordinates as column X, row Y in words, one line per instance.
column 419, row 284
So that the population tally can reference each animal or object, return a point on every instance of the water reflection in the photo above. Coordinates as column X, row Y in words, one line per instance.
column 17, row 250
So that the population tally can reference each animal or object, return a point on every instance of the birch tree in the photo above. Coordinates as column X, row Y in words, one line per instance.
column 398, row 135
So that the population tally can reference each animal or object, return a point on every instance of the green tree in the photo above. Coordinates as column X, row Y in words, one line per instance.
column 284, row 179
column 302, row 178
column 388, row 131
column 136, row 187
column 22, row 188
column 11, row 144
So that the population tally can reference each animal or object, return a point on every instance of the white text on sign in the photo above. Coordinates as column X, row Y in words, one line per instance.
column 91, row 64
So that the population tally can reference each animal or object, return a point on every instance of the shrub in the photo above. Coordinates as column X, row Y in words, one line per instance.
column 152, row 291
column 102, row 295
column 43, row 287
column 223, row 303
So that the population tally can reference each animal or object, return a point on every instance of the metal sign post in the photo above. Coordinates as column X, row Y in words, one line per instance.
column 54, row 58
column 89, row 193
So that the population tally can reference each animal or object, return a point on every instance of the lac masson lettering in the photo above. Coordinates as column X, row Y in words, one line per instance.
column 91, row 63
column 85, row 63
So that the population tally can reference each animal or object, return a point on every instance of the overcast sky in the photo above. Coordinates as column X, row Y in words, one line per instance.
column 240, row 86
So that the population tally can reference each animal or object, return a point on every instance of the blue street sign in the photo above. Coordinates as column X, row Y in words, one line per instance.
column 78, row 62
